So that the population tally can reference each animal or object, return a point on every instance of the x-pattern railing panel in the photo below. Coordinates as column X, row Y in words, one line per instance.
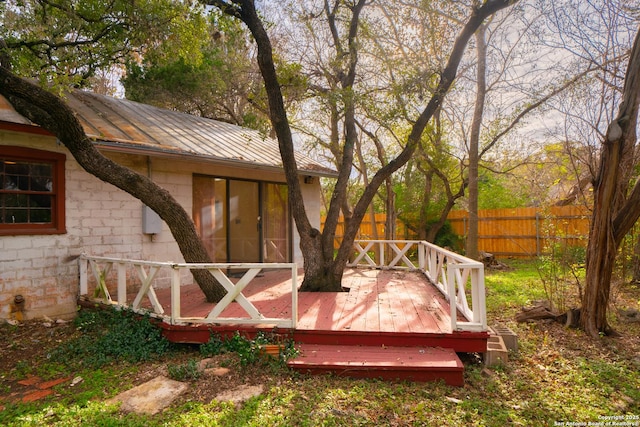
column 234, row 293
column 384, row 249
column 147, row 272
column 363, row 254
column 146, row 289
column 451, row 273
column 101, row 279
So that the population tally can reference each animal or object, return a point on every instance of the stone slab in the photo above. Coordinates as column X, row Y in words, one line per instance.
column 151, row 397
column 240, row 393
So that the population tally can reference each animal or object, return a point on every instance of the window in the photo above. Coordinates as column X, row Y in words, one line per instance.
column 31, row 191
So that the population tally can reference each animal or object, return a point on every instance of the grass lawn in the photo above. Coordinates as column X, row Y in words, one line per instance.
column 558, row 376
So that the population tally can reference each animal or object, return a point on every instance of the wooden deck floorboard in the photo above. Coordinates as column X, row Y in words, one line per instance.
column 377, row 301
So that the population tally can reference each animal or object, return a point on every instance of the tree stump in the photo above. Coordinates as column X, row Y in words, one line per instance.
column 573, row 318
column 487, row 258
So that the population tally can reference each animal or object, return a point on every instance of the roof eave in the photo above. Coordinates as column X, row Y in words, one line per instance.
column 159, row 152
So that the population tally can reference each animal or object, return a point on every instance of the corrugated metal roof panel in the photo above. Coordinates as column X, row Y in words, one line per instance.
column 149, row 128
column 8, row 114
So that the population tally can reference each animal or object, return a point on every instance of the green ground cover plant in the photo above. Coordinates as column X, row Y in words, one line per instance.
column 558, row 376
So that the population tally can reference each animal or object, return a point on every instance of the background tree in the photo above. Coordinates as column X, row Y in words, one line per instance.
column 404, row 52
column 224, row 85
column 601, row 115
column 70, row 43
column 323, row 269
column 510, row 77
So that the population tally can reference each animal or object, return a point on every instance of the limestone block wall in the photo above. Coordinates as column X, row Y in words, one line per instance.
column 39, row 267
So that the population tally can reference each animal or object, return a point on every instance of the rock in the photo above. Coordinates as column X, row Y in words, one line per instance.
column 490, row 262
column 453, row 400
column 630, row 315
column 217, row 372
column 76, row 381
column 240, row 393
column 540, row 311
column 205, row 364
column 151, row 397
column 486, row 258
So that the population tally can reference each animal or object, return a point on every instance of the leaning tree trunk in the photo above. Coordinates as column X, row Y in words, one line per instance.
column 601, row 256
column 52, row 114
column 614, row 214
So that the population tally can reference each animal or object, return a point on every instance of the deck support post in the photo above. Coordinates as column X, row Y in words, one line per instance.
column 478, row 299
column 122, row 283
column 82, row 267
column 451, row 290
column 175, row 294
column 294, row 296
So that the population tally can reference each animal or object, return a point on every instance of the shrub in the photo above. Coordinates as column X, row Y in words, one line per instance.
column 113, row 335
column 184, row 371
column 249, row 351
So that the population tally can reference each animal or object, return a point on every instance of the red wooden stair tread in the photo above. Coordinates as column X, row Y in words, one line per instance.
column 400, row 363
column 418, row 357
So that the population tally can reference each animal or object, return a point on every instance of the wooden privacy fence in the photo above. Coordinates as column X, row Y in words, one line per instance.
column 519, row 232
column 368, row 232
column 526, row 232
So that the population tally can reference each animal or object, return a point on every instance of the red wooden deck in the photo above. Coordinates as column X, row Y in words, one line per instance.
column 391, row 324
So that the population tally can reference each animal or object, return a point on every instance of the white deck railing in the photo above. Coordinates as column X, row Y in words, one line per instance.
column 460, row 279
column 147, row 273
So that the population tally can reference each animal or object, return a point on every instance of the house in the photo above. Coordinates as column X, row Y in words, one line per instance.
column 51, row 210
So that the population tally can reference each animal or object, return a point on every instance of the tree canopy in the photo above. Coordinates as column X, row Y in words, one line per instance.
column 70, row 43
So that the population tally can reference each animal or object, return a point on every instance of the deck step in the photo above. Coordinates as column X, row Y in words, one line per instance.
column 390, row 363
column 459, row 341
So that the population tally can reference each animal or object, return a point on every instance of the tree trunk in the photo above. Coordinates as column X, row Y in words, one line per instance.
column 423, row 219
column 323, row 272
column 474, row 142
column 613, row 214
column 636, row 259
column 52, row 114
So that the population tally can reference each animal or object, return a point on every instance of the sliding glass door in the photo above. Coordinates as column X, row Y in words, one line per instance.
column 242, row 221
column 277, row 245
column 210, row 215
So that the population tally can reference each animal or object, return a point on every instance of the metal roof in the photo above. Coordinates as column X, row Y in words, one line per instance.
column 127, row 126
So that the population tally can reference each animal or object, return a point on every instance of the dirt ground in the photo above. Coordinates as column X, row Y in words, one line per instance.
column 25, row 346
